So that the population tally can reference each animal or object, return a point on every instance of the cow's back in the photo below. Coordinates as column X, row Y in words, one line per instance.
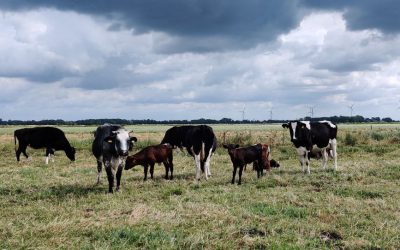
column 40, row 137
column 102, row 132
column 322, row 133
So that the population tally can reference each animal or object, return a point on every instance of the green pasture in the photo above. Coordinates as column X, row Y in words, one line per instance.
column 59, row 206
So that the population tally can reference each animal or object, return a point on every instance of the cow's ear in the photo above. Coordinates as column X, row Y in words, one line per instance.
column 285, row 125
column 224, row 146
column 133, row 139
column 237, row 145
column 109, row 139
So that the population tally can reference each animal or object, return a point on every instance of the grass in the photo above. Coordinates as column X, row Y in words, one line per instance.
column 58, row 205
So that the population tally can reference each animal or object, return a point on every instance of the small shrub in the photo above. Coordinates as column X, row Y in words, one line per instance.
column 377, row 136
column 350, row 140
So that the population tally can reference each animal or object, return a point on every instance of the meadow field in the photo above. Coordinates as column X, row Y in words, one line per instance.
column 59, row 206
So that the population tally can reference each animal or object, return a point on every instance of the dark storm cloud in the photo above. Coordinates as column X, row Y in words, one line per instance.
column 224, row 24
column 227, row 24
column 364, row 14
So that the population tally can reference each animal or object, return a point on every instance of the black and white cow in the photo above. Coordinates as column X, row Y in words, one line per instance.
column 199, row 141
column 51, row 138
column 310, row 138
column 110, row 147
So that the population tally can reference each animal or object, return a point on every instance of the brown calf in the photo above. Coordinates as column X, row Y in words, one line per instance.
column 151, row 155
column 258, row 154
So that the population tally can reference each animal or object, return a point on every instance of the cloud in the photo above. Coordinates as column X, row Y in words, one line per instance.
column 75, row 60
column 195, row 25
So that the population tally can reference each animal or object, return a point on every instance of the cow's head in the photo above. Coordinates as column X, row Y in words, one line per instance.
column 130, row 162
column 299, row 130
column 231, row 149
column 120, row 141
column 274, row 164
column 70, row 153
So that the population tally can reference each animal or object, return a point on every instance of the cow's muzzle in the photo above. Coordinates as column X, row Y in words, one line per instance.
column 123, row 152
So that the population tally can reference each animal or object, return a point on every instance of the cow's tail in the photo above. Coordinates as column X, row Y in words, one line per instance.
column 15, row 142
column 202, row 154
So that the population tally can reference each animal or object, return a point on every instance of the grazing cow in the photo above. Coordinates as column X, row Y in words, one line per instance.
column 258, row 153
column 313, row 139
column 110, row 147
column 51, row 138
column 199, row 141
column 151, row 155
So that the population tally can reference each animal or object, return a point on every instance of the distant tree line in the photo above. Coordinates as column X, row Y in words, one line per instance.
column 335, row 119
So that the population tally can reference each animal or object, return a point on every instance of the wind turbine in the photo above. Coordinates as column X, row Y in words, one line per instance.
column 351, row 109
column 243, row 111
column 311, row 112
column 270, row 114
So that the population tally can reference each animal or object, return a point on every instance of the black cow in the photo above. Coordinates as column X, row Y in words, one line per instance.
column 110, row 147
column 309, row 138
column 51, row 138
column 199, row 141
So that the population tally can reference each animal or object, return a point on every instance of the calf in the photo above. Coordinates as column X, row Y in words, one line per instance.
column 151, row 155
column 258, row 153
column 51, row 138
column 110, row 147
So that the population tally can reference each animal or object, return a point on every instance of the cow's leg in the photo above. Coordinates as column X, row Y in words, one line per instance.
column 145, row 168
column 48, row 154
column 303, row 157
column 234, row 174
column 307, row 162
column 259, row 169
column 171, row 169
column 118, row 175
column 240, row 174
column 99, row 169
column 334, row 152
column 22, row 148
column 198, row 166
column 207, row 164
column 324, row 158
column 110, row 176
column 151, row 170
column 18, row 152
column 166, row 166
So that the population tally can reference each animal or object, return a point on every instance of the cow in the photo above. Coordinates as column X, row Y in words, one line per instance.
column 240, row 156
column 50, row 138
column 151, row 155
column 312, row 139
column 110, row 147
column 199, row 141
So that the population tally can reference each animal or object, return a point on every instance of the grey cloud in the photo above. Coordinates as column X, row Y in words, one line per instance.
column 366, row 14
column 207, row 25
column 235, row 24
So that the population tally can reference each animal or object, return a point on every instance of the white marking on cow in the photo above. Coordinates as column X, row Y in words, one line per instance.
column 123, row 137
column 47, row 159
column 307, row 123
column 329, row 123
column 333, row 144
column 294, row 125
column 207, row 164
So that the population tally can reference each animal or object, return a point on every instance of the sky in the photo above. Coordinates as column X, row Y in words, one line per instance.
column 190, row 59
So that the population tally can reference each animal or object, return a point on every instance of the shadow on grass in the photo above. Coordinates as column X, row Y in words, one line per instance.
column 53, row 192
